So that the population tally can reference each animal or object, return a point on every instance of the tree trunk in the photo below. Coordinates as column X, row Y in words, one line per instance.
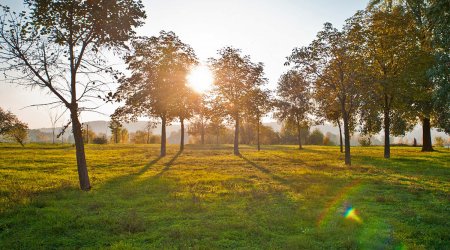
column 182, row 135
column 163, row 136
column 257, row 135
column 236, row 136
column 340, row 135
column 87, row 134
column 217, row 135
column 299, row 131
column 348, row 160
column 53, row 135
column 202, row 134
column 148, row 136
column 387, row 125
column 427, row 146
column 81, row 157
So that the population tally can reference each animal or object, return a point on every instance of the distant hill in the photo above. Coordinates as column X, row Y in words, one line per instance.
column 102, row 127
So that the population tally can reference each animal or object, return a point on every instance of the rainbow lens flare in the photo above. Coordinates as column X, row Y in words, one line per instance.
column 352, row 215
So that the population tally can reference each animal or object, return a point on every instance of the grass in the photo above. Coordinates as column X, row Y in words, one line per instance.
column 206, row 198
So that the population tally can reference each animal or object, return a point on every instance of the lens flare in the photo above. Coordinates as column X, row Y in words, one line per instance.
column 352, row 215
column 328, row 213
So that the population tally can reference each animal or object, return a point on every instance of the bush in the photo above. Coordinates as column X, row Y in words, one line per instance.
column 439, row 141
column 316, row 137
column 100, row 140
column 327, row 141
column 364, row 141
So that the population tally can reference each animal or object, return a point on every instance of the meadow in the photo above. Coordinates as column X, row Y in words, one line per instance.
column 207, row 198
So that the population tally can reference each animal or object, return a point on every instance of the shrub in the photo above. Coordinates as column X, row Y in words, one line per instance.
column 100, row 140
column 364, row 141
column 439, row 141
column 316, row 137
column 328, row 141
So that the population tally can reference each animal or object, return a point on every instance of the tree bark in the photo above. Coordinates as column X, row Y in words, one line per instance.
column 163, row 136
column 340, row 135
column 299, row 132
column 348, row 160
column 427, row 145
column 257, row 135
column 182, row 135
column 81, row 157
column 236, row 135
column 345, row 117
column 387, row 125
column 116, row 135
column 217, row 135
column 202, row 134
column 87, row 134
column 148, row 136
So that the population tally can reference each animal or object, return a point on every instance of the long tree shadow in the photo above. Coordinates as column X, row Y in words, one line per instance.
column 148, row 165
column 265, row 170
column 169, row 164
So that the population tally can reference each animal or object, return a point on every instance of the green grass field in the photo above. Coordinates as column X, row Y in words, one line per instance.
column 206, row 198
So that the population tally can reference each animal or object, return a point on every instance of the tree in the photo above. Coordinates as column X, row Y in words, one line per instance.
column 141, row 137
column 332, row 63
column 247, row 133
column 216, row 127
column 430, row 76
column 259, row 104
column 7, row 121
column 18, row 133
column 216, row 115
column 316, row 137
column 55, row 45
column 100, row 139
column 294, row 101
column 437, row 14
column 328, row 108
column 202, row 115
column 369, row 116
column 439, row 141
column 391, row 56
column 289, row 133
column 88, row 135
column 235, row 76
column 268, row 135
column 54, row 117
column 158, row 66
column 185, row 107
column 12, row 128
column 116, row 130
column 124, row 135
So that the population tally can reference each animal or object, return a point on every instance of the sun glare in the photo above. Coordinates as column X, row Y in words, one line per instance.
column 200, row 79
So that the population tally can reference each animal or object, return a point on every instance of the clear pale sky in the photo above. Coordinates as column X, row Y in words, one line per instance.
column 267, row 30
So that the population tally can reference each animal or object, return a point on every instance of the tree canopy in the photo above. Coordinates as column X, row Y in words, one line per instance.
column 157, row 85
column 55, row 44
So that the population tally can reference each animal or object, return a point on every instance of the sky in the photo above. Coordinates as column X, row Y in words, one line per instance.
column 267, row 30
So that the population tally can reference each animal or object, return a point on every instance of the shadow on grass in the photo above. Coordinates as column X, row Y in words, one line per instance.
column 148, row 165
column 169, row 164
column 420, row 167
column 265, row 170
column 126, row 213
